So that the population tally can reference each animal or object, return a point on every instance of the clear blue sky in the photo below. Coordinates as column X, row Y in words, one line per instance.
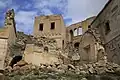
column 72, row 10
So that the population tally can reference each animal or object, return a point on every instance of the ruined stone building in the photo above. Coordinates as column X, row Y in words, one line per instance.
column 41, row 51
column 67, row 38
column 79, row 40
column 7, row 37
column 107, row 22
column 51, row 26
column 74, row 31
column 92, row 40
column 52, row 39
column 50, row 35
column 83, row 42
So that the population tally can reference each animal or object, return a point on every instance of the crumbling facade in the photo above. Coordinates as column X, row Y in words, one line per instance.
column 7, row 38
column 50, row 35
column 42, row 51
column 83, row 47
column 77, row 29
column 52, row 27
column 107, row 22
column 83, row 42
column 67, row 38
column 75, row 36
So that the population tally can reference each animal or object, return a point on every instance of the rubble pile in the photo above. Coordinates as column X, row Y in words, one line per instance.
column 98, row 68
column 23, row 39
column 65, row 70
column 24, row 71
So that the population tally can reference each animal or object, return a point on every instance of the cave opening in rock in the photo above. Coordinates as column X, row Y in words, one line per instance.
column 15, row 60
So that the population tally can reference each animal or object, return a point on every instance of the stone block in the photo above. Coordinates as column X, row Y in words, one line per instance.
column 2, row 77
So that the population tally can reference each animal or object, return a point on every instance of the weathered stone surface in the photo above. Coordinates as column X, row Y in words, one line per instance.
column 45, row 55
column 63, row 67
column 8, row 69
column 21, row 63
column 15, row 68
column 2, row 77
column 71, row 66
column 83, row 79
column 91, row 70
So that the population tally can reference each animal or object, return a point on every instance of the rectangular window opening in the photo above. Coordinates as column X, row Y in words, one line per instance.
column 107, row 28
column 41, row 27
column 53, row 25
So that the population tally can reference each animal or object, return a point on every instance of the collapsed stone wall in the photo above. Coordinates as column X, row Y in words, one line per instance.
column 91, row 39
column 70, row 58
column 41, row 45
column 23, row 39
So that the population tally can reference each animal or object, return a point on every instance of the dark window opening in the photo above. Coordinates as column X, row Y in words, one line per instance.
column 41, row 27
column 107, row 27
column 71, row 32
column 89, row 26
column 53, row 25
column 46, row 49
column 76, row 45
column 71, row 35
column 63, row 43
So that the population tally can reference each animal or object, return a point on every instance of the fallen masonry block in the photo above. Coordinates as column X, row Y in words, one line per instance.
column 2, row 76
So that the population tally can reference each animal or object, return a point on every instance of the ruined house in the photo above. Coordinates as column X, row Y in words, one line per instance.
column 82, row 41
column 107, row 22
column 44, row 51
column 65, row 39
column 7, row 37
column 91, row 49
column 51, row 40
column 51, row 26
column 75, row 39
column 50, row 34
column 77, row 29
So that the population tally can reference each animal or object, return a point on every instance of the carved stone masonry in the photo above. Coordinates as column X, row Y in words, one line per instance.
column 9, row 16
